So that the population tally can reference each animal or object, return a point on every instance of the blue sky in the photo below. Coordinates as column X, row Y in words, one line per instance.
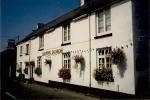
column 20, row 17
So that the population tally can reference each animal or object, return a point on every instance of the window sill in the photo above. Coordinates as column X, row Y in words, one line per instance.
column 27, row 54
column 64, row 44
column 103, row 36
column 40, row 49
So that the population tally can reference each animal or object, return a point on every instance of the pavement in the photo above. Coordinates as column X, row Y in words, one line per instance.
column 18, row 90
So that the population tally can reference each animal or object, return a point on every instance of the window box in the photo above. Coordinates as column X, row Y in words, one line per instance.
column 103, row 74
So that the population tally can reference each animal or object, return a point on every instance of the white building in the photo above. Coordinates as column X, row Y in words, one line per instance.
column 88, row 33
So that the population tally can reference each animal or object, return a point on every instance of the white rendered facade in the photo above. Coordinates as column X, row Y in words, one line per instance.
column 82, row 42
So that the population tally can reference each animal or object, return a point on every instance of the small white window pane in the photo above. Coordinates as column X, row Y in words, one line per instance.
column 100, row 22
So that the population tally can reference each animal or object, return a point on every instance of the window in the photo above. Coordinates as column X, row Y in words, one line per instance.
column 20, row 64
column 66, row 33
column 104, row 57
column 103, row 21
column 104, row 64
column 41, row 42
column 66, row 61
column 39, row 61
column 21, row 50
column 27, row 49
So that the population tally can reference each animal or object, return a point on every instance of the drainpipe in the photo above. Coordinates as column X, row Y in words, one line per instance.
column 90, row 50
column 30, row 57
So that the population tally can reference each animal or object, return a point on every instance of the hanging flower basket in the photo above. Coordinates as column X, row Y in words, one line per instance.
column 27, row 63
column 38, row 71
column 48, row 61
column 64, row 73
column 78, row 58
column 103, row 74
column 32, row 63
column 19, row 70
column 118, row 56
column 26, row 70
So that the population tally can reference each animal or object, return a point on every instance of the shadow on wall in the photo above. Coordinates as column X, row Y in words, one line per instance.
column 122, row 68
column 82, row 69
column 119, row 59
column 80, row 64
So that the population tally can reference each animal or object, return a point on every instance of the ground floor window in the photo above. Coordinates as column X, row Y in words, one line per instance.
column 19, row 68
column 66, row 60
column 104, row 57
column 103, row 71
column 65, row 71
column 38, row 69
column 39, row 61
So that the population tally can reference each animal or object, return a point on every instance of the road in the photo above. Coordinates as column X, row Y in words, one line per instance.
column 20, row 90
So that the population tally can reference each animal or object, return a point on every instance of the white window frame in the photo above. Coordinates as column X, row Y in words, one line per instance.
column 27, row 49
column 41, row 41
column 67, row 60
column 66, row 31
column 21, row 50
column 104, row 53
column 104, row 12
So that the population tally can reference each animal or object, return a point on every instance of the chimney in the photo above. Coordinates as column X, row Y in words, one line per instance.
column 11, row 44
column 40, row 25
column 82, row 2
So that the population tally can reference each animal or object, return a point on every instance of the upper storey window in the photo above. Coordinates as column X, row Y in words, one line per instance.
column 66, row 60
column 103, row 21
column 66, row 33
column 27, row 49
column 41, row 42
column 21, row 50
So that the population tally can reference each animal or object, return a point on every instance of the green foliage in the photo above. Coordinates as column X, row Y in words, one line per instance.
column 47, row 61
column 103, row 74
column 78, row 58
column 118, row 56
column 64, row 73
column 38, row 71
column 26, row 70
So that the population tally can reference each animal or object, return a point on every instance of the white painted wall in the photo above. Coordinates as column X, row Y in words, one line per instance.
column 22, row 58
column 121, row 28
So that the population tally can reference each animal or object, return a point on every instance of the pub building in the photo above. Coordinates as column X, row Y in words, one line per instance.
column 98, row 45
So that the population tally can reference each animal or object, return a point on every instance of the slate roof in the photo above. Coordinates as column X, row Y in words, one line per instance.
column 85, row 9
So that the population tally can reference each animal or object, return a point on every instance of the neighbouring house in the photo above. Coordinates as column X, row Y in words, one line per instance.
column 8, row 64
column 102, row 44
